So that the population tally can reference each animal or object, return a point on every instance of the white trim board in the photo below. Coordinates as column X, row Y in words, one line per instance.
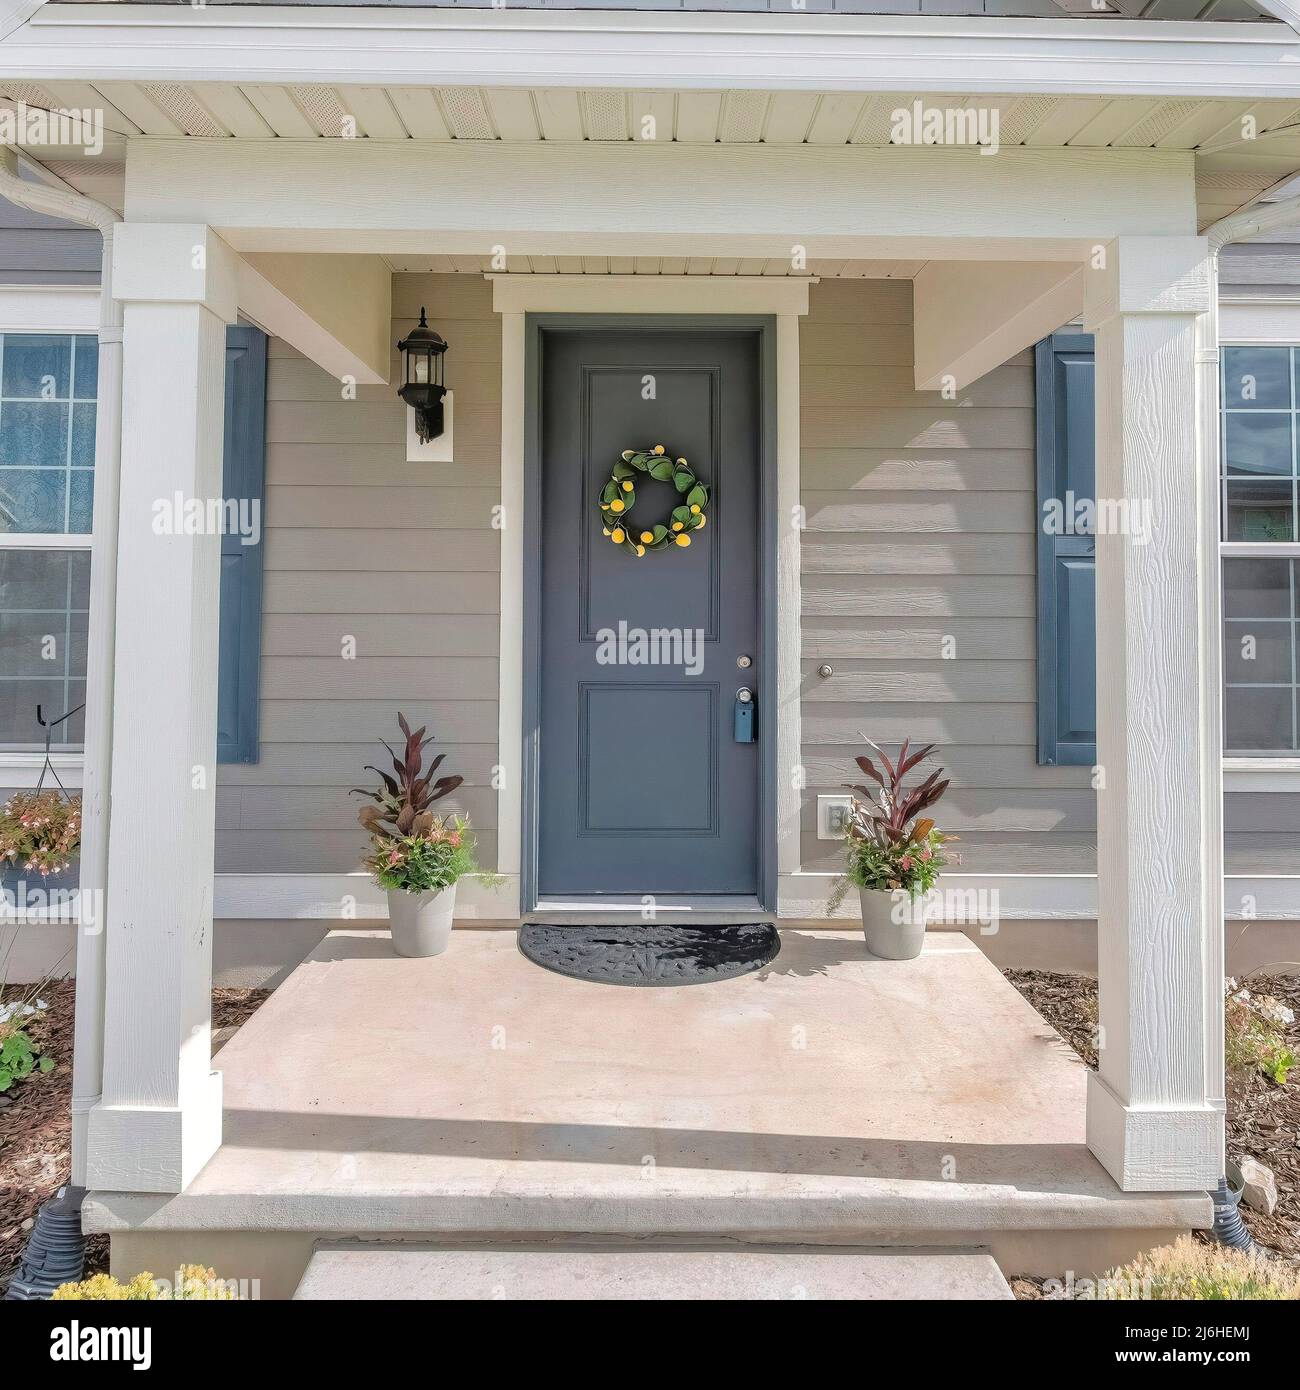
column 561, row 198
column 515, row 296
column 1021, row 897
column 21, row 769
column 343, row 898
column 49, row 308
column 1255, row 322
column 659, row 49
column 1052, row 897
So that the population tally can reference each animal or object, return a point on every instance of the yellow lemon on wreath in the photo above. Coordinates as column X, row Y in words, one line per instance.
column 677, row 525
column 616, row 505
column 703, row 519
column 605, row 529
column 640, row 550
column 659, row 448
column 695, row 510
column 682, row 540
column 647, row 536
column 627, row 486
column 617, row 535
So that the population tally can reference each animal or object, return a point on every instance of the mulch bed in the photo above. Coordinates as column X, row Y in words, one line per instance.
column 36, row 1122
column 1263, row 1118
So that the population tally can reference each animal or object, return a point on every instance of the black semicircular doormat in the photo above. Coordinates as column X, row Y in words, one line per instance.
column 650, row 955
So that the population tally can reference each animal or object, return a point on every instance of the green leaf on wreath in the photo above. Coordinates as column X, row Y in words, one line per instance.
column 623, row 470
column 663, row 470
column 683, row 482
column 696, row 497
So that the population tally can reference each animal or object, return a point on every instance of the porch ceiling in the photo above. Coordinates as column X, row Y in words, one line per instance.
column 1231, row 170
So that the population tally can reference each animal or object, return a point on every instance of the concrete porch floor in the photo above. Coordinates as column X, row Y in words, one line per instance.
column 829, row 1098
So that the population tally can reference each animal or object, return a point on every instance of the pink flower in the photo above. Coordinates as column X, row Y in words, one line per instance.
column 394, row 856
column 905, row 862
column 925, row 855
column 454, row 839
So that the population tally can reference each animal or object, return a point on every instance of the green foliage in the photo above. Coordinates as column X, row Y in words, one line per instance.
column 1192, row 1270
column 425, row 862
column 1254, row 1042
column 618, row 497
column 19, row 1057
column 912, row 866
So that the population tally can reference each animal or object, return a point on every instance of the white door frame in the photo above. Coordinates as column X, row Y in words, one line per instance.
column 514, row 296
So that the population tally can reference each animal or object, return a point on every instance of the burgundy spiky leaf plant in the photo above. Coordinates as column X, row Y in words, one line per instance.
column 402, row 804
column 890, row 815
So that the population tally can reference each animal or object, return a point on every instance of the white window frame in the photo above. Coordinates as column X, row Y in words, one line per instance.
column 1259, row 321
column 55, row 309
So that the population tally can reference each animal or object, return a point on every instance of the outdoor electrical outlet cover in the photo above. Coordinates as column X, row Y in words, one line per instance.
column 832, row 816
column 436, row 450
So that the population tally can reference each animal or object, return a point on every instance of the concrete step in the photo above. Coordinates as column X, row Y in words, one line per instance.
column 395, row 1271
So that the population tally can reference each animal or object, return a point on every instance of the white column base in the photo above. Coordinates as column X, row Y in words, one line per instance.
column 1149, row 1149
column 136, row 1148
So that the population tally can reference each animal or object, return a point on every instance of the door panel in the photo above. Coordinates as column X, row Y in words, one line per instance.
column 642, row 787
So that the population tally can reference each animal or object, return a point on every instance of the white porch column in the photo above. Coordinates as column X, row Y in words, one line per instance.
column 1155, row 1105
column 159, row 1119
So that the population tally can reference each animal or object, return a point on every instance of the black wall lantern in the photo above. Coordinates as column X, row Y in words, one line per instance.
column 422, row 387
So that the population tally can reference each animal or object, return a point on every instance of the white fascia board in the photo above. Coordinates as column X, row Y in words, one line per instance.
column 15, row 13
column 641, row 50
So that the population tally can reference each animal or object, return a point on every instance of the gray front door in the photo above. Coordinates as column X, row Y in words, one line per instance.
column 642, row 786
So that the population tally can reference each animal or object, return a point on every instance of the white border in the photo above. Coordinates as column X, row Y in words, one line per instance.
column 1020, row 897
column 45, row 309
column 1263, row 321
column 653, row 49
column 513, row 296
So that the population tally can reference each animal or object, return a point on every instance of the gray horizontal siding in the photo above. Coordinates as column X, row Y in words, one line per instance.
column 393, row 561
column 920, row 528
column 39, row 250
column 918, row 585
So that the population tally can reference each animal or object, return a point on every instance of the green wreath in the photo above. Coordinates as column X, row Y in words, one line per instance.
column 618, row 497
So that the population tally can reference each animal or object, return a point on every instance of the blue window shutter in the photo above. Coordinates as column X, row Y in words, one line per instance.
column 241, row 565
column 1067, row 596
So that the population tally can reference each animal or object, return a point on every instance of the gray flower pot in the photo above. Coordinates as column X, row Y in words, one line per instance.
column 894, row 923
column 421, row 922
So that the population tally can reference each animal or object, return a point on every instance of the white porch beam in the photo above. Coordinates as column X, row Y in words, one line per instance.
column 159, row 1119
column 336, row 310
column 747, row 52
column 570, row 199
column 970, row 316
column 1155, row 1104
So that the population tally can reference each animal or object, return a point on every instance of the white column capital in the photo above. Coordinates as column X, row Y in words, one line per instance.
column 175, row 263
column 1147, row 275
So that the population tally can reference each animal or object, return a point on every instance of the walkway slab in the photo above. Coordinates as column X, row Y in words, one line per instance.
column 829, row 1097
column 400, row 1272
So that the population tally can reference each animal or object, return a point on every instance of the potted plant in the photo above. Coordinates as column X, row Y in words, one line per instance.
column 893, row 856
column 40, row 833
column 416, row 856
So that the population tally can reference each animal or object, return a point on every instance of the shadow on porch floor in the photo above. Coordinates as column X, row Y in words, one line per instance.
column 830, row 1095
